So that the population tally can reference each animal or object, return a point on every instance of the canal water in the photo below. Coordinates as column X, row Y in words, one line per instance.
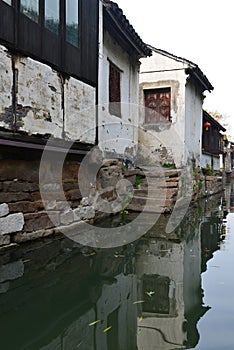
column 163, row 291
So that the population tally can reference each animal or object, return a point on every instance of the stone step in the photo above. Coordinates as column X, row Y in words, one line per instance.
column 156, row 193
column 150, row 172
column 148, row 209
column 151, row 201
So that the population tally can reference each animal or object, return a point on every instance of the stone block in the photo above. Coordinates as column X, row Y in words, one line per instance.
column 25, row 236
column 26, row 206
column 4, row 209
column 11, row 223
column 5, row 239
column 16, row 186
column 67, row 218
column 11, row 271
column 73, row 195
column 40, row 221
column 8, row 197
column 84, row 213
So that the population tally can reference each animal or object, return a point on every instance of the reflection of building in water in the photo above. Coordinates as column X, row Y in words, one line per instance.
column 67, row 297
column 160, row 273
column 169, row 276
column 58, row 292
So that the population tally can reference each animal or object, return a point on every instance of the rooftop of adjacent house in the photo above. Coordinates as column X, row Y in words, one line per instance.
column 122, row 25
column 192, row 69
column 213, row 121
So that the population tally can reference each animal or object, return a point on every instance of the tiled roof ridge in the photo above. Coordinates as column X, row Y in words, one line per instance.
column 116, row 11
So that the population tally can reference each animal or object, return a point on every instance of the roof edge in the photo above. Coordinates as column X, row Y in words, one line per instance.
column 116, row 14
column 193, row 68
column 212, row 120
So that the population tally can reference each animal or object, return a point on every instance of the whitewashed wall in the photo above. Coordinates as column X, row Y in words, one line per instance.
column 206, row 161
column 45, row 103
column 117, row 134
column 193, row 122
column 182, row 136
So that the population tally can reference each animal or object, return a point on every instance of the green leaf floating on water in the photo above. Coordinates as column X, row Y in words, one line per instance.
column 107, row 329
column 94, row 322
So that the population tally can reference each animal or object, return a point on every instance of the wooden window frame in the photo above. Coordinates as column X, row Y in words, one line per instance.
column 114, row 89
column 21, row 34
column 152, row 116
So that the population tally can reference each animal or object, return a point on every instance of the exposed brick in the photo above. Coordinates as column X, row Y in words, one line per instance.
column 35, row 196
column 39, row 221
column 109, row 195
column 73, row 195
column 70, row 186
column 70, row 172
column 13, row 197
column 15, row 186
column 26, row 206
column 19, row 169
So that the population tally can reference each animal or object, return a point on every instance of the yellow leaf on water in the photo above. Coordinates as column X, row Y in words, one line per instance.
column 94, row 322
column 26, row 261
column 138, row 302
column 90, row 254
column 107, row 329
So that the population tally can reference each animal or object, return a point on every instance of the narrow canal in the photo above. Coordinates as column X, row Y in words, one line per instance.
column 164, row 291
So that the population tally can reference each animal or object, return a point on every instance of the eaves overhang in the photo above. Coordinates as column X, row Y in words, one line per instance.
column 122, row 28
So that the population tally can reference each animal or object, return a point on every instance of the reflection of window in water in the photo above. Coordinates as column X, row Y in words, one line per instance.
column 52, row 15
column 162, row 299
column 113, row 335
column 30, row 8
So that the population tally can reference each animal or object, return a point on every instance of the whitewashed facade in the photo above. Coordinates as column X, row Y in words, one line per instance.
column 179, row 137
column 118, row 131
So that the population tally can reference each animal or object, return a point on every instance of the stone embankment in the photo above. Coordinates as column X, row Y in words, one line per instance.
column 24, row 215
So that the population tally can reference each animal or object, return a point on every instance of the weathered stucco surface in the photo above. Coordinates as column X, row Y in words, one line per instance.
column 36, row 99
column 118, row 134
column 80, row 118
column 6, row 82
column 181, row 136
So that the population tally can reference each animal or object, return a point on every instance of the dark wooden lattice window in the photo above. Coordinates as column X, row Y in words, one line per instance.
column 158, row 105
column 114, row 90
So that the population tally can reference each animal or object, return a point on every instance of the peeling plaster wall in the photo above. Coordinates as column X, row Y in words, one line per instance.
column 193, row 122
column 80, row 118
column 36, row 99
column 118, row 134
column 181, row 137
column 39, row 98
column 6, row 82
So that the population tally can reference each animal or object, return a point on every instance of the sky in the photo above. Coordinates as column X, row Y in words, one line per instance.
column 200, row 31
